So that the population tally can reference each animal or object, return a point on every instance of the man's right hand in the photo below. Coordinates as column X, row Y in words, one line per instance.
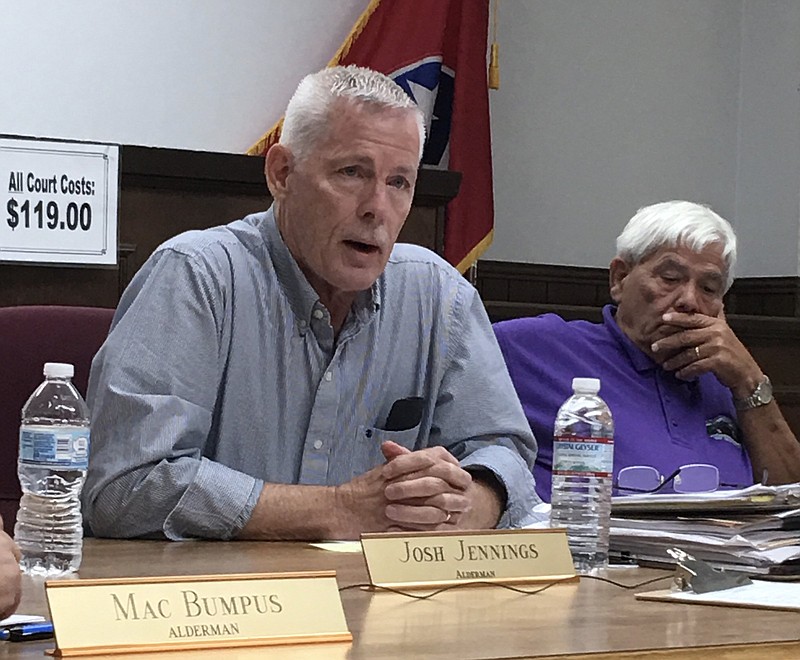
column 10, row 576
column 360, row 505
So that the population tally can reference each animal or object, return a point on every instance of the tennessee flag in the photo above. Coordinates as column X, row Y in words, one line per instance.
column 436, row 51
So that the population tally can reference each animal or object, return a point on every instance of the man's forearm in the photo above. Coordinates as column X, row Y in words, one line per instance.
column 295, row 513
column 299, row 512
column 770, row 444
column 308, row 513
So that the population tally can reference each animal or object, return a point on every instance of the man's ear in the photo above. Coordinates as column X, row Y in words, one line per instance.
column 278, row 164
column 618, row 270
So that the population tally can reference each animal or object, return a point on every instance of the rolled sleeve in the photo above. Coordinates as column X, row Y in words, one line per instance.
column 209, row 511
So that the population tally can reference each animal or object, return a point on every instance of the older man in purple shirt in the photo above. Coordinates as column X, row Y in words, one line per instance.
column 682, row 388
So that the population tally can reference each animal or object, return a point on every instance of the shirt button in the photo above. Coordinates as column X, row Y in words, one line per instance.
column 674, row 423
column 328, row 376
column 318, row 313
column 317, row 444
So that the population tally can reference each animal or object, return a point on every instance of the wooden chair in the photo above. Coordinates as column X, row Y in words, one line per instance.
column 29, row 337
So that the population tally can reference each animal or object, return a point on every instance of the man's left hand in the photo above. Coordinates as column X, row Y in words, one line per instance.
column 705, row 344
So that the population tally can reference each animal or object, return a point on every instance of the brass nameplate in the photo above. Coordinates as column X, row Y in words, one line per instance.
column 429, row 559
column 93, row 617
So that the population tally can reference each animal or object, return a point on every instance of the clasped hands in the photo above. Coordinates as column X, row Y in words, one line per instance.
column 412, row 491
column 699, row 344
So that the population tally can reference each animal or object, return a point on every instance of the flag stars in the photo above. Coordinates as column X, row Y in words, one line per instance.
column 425, row 99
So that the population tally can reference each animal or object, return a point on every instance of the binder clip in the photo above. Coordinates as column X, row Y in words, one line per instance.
column 695, row 575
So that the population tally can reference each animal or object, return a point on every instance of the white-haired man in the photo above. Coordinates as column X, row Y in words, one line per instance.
column 681, row 387
column 295, row 375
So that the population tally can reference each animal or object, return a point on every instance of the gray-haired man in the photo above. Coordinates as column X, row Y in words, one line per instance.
column 684, row 391
column 248, row 385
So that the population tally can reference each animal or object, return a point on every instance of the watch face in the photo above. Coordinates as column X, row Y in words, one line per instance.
column 761, row 396
column 763, row 393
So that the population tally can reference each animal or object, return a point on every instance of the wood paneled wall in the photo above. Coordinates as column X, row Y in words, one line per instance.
column 164, row 192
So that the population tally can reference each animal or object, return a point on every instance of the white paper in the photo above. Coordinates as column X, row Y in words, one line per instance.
column 778, row 595
column 757, row 493
column 338, row 546
column 17, row 619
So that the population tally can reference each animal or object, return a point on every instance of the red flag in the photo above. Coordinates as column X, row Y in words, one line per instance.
column 436, row 51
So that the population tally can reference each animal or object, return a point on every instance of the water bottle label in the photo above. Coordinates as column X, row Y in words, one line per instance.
column 48, row 445
column 586, row 457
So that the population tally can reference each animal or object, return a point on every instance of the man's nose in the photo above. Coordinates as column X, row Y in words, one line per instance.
column 688, row 299
column 374, row 202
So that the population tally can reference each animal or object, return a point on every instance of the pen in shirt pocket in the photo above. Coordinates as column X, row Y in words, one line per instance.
column 405, row 414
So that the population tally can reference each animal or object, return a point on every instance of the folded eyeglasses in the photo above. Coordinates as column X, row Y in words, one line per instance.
column 692, row 478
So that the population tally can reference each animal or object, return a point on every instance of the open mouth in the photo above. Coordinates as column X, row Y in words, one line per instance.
column 363, row 248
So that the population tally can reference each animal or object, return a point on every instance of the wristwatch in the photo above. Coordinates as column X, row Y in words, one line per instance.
column 761, row 396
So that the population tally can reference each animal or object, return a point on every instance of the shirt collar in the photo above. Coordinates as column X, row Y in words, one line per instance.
column 640, row 360
column 302, row 297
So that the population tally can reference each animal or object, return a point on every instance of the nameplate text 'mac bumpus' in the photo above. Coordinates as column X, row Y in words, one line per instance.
column 194, row 612
column 427, row 559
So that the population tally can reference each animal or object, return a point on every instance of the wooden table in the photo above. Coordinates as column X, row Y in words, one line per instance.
column 577, row 620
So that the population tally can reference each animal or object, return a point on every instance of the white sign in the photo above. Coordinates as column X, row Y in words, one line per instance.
column 58, row 201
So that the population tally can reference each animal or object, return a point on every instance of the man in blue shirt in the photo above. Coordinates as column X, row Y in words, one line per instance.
column 297, row 375
column 681, row 387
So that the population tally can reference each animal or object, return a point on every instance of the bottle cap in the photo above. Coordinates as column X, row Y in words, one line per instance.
column 591, row 385
column 58, row 370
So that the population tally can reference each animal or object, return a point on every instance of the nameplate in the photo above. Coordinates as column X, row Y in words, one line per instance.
column 94, row 617
column 431, row 559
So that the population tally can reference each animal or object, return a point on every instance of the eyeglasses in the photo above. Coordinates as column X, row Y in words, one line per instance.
column 692, row 478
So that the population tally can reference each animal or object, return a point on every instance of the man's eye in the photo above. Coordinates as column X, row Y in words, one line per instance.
column 399, row 182
column 350, row 170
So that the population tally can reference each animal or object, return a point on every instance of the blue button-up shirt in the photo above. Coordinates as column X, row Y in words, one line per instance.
column 222, row 372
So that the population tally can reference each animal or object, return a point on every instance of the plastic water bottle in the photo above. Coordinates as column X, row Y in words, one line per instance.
column 583, row 462
column 53, row 457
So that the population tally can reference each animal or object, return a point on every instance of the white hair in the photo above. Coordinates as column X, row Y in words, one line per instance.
column 309, row 111
column 674, row 223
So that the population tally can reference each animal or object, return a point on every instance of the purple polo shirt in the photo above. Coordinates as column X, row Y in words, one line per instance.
column 659, row 420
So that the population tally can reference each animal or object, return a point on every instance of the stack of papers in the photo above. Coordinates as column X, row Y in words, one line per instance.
column 756, row 529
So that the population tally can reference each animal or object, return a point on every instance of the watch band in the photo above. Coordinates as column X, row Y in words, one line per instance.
column 761, row 396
